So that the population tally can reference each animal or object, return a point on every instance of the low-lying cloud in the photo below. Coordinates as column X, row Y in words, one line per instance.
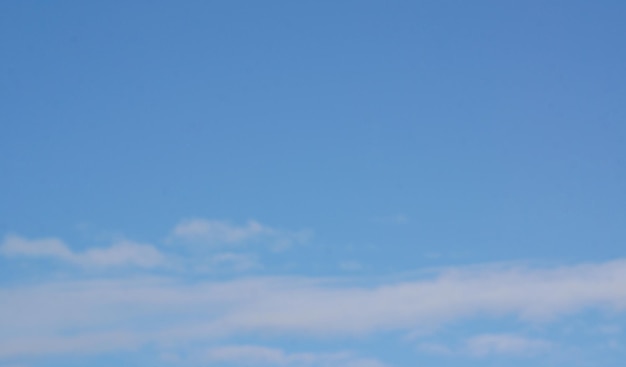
column 254, row 355
column 120, row 253
column 180, row 311
column 508, row 344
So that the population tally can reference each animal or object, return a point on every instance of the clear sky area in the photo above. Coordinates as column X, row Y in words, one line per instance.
column 312, row 183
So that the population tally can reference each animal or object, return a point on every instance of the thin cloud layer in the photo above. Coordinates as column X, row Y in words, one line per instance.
column 487, row 344
column 219, row 233
column 121, row 253
column 253, row 355
column 180, row 312
column 216, row 232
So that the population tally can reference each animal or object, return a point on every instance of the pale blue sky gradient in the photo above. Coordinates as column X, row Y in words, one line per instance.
column 361, row 143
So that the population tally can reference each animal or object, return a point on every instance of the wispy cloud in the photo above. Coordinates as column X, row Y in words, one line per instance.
column 179, row 311
column 252, row 355
column 120, row 253
column 484, row 345
column 529, row 294
column 217, row 233
column 211, row 246
column 92, row 343
column 488, row 344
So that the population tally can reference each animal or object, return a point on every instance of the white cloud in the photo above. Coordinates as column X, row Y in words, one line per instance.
column 83, row 344
column 529, row 294
column 178, row 311
column 252, row 355
column 484, row 345
column 488, row 344
column 246, row 355
column 48, row 247
column 218, row 232
column 121, row 253
column 215, row 233
column 235, row 261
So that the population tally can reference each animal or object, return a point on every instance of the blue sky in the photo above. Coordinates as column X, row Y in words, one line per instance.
column 280, row 183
